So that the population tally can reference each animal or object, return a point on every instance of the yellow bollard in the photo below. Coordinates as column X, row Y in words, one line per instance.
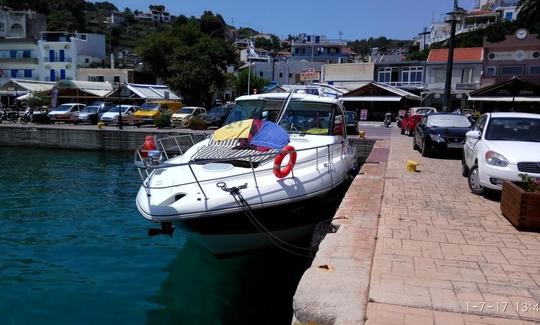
column 411, row 165
column 100, row 125
column 361, row 134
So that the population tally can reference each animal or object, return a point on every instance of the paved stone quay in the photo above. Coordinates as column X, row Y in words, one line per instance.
column 441, row 255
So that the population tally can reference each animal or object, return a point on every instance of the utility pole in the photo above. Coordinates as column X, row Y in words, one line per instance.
column 423, row 34
column 452, row 18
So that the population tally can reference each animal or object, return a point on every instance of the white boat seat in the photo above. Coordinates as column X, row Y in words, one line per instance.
column 229, row 151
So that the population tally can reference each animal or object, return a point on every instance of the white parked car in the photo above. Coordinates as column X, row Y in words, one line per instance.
column 112, row 115
column 499, row 147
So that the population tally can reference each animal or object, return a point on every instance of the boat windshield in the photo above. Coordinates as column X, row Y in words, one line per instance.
column 308, row 118
column 302, row 117
column 514, row 129
column 255, row 109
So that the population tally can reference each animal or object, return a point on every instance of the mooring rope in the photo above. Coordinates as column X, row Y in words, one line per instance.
column 246, row 208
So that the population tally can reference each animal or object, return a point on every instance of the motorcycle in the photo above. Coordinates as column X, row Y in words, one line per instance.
column 27, row 116
column 12, row 117
column 387, row 120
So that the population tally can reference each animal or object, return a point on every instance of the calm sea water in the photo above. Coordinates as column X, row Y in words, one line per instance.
column 74, row 250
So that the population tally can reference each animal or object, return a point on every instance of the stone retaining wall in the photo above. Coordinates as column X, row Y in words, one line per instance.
column 79, row 137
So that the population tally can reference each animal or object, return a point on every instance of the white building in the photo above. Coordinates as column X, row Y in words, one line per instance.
column 63, row 53
column 112, row 76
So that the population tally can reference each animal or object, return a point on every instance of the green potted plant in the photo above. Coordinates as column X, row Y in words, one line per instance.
column 520, row 202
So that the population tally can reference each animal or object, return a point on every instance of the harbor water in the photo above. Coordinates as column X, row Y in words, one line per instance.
column 74, row 250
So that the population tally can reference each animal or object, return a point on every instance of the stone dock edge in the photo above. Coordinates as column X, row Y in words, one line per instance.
column 334, row 290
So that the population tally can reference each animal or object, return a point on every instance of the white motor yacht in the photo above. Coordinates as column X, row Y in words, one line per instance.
column 237, row 195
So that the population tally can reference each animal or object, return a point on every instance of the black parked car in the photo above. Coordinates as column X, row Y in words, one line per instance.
column 217, row 115
column 441, row 132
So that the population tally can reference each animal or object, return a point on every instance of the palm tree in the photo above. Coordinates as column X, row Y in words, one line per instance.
column 529, row 12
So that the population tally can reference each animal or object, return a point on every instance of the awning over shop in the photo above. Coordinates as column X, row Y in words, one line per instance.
column 505, row 99
column 144, row 92
column 22, row 86
column 376, row 92
column 372, row 99
column 513, row 90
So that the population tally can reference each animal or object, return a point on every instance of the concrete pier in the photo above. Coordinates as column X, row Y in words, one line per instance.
column 83, row 137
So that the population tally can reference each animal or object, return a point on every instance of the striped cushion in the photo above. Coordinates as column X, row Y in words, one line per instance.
column 226, row 151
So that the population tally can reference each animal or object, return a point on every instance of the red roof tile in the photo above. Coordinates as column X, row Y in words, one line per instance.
column 460, row 55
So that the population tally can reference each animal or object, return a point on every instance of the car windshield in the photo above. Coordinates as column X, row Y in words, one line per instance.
column 116, row 109
column 423, row 111
column 186, row 110
column 514, row 129
column 448, row 121
column 63, row 108
column 90, row 109
column 256, row 109
column 218, row 111
column 150, row 106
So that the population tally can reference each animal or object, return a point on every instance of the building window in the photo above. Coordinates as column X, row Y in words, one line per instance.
column 511, row 70
column 86, row 60
column 290, row 75
column 26, row 53
column 28, row 73
column 116, row 79
column 412, row 75
column 534, row 69
column 491, row 71
column 439, row 76
column 281, row 74
column 96, row 78
column 385, row 74
column 14, row 73
column 467, row 75
column 261, row 74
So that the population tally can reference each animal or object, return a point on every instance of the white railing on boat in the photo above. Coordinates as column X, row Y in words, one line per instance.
column 175, row 145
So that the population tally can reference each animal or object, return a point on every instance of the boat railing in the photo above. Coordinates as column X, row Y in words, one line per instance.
column 146, row 165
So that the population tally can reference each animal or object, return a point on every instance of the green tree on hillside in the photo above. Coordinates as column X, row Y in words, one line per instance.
column 529, row 14
column 213, row 25
column 254, row 83
column 190, row 61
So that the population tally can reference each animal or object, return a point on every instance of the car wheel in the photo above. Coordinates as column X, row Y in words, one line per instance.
column 414, row 144
column 464, row 168
column 410, row 133
column 474, row 181
column 424, row 150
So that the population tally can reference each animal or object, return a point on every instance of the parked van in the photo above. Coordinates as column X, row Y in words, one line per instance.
column 152, row 110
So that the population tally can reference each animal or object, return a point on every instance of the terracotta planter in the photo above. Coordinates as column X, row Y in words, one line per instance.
column 521, row 208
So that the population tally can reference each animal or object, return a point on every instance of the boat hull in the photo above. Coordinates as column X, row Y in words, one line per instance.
column 289, row 223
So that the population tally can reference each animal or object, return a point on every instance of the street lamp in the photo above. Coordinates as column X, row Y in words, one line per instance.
column 452, row 18
column 120, row 86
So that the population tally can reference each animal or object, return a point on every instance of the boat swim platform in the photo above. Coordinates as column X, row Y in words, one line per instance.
column 418, row 248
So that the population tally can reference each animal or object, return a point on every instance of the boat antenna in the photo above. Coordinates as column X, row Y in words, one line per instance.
column 285, row 104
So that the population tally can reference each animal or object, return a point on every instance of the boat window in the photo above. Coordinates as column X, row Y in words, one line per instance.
column 255, row 109
column 338, row 128
column 307, row 118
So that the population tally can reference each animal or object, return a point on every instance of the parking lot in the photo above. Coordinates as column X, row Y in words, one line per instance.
column 444, row 255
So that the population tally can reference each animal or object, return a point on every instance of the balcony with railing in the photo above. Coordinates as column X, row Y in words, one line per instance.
column 56, row 59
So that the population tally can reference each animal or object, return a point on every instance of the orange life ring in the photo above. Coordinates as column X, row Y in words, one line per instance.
column 280, row 173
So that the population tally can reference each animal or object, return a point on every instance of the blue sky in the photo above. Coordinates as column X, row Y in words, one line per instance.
column 356, row 19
